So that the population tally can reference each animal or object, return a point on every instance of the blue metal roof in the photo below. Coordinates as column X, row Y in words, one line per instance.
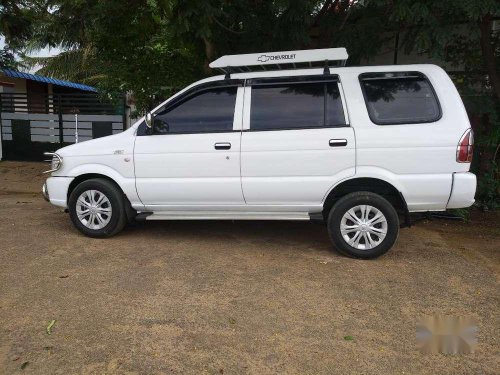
column 58, row 82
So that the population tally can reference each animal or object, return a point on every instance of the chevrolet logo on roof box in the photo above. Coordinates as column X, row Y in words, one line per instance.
column 265, row 58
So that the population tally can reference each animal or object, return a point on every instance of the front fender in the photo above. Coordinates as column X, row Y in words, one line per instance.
column 126, row 183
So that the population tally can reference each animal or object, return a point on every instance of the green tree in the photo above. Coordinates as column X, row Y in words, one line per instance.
column 7, row 59
column 460, row 33
column 15, row 27
column 163, row 45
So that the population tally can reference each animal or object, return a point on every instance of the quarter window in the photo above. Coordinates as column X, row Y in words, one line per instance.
column 296, row 106
column 399, row 98
column 210, row 110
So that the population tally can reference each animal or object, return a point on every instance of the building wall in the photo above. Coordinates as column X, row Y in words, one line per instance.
column 19, row 84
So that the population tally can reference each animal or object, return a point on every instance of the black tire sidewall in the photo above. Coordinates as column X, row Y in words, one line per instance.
column 361, row 198
column 117, row 206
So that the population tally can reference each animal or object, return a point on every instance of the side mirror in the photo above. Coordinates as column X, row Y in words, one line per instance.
column 149, row 120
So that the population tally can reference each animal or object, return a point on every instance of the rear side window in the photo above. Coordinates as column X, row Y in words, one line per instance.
column 296, row 106
column 399, row 98
column 210, row 110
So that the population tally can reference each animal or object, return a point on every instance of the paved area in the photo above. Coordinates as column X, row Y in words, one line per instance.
column 233, row 297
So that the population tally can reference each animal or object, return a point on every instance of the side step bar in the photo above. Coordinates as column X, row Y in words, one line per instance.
column 225, row 215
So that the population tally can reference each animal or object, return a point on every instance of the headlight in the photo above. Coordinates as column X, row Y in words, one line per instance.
column 55, row 163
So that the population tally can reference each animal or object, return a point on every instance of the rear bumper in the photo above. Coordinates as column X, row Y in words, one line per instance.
column 55, row 190
column 463, row 190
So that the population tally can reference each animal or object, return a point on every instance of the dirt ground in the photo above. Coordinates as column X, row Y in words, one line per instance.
column 233, row 297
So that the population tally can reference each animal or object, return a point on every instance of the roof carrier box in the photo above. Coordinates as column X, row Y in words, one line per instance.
column 281, row 60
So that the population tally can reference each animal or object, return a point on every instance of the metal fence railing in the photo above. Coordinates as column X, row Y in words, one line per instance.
column 33, row 124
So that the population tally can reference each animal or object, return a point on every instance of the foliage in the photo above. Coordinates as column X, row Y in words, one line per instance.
column 78, row 65
column 162, row 45
column 7, row 59
column 484, row 113
column 462, row 213
column 16, row 21
column 458, row 33
column 488, row 188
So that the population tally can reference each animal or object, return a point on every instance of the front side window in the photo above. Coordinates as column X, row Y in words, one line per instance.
column 210, row 110
column 399, row 98
column 296, row 106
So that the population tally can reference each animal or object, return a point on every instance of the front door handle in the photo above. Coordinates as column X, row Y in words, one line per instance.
column 338, row 142
column 222, row 146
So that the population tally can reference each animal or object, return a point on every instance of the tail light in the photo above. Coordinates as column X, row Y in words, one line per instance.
column 465, row 147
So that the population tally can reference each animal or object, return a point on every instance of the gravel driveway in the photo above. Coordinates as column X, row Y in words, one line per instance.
column 233, row 297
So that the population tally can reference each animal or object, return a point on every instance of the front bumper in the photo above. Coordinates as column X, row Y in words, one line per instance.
column 45, row 192
column 55, row 190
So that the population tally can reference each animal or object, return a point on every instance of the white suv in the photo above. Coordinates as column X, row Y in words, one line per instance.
column 355, row 147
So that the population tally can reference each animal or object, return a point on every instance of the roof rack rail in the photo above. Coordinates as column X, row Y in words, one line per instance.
column 281, row 60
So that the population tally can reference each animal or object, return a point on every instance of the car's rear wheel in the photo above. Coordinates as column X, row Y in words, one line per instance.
column 363, row 225
column 97, row 208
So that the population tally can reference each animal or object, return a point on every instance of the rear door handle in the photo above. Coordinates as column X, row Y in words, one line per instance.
column 338, row 142
column 222, row 146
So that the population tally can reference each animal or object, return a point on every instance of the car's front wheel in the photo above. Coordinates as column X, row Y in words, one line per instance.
column 97, row 209
column 363, row 225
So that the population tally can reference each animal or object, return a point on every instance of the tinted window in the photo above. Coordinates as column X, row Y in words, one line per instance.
column 399, row 100
column 295, row 106
column 210, row 110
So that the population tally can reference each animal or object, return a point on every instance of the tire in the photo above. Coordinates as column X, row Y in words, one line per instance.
column 109, row 216
column 374, row 235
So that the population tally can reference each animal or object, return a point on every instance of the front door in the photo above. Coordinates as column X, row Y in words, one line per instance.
column 296, row 142
column 192, row 158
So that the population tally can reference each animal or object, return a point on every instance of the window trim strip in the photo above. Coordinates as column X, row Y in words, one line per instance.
column 305, row 128
column 194, row 132
column 296, row 80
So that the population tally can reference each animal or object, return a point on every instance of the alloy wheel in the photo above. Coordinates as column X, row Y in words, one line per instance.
column 363, row 227
column 93, row 209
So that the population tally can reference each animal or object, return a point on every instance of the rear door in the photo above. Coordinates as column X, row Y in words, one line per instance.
column 297, row 142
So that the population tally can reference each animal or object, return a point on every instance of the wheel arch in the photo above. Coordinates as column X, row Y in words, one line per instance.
column 131, row 213
column 89, row 176
column 372, row 184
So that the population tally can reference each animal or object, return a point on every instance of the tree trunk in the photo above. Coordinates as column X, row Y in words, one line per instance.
column 209, row 54
column 489, row 54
